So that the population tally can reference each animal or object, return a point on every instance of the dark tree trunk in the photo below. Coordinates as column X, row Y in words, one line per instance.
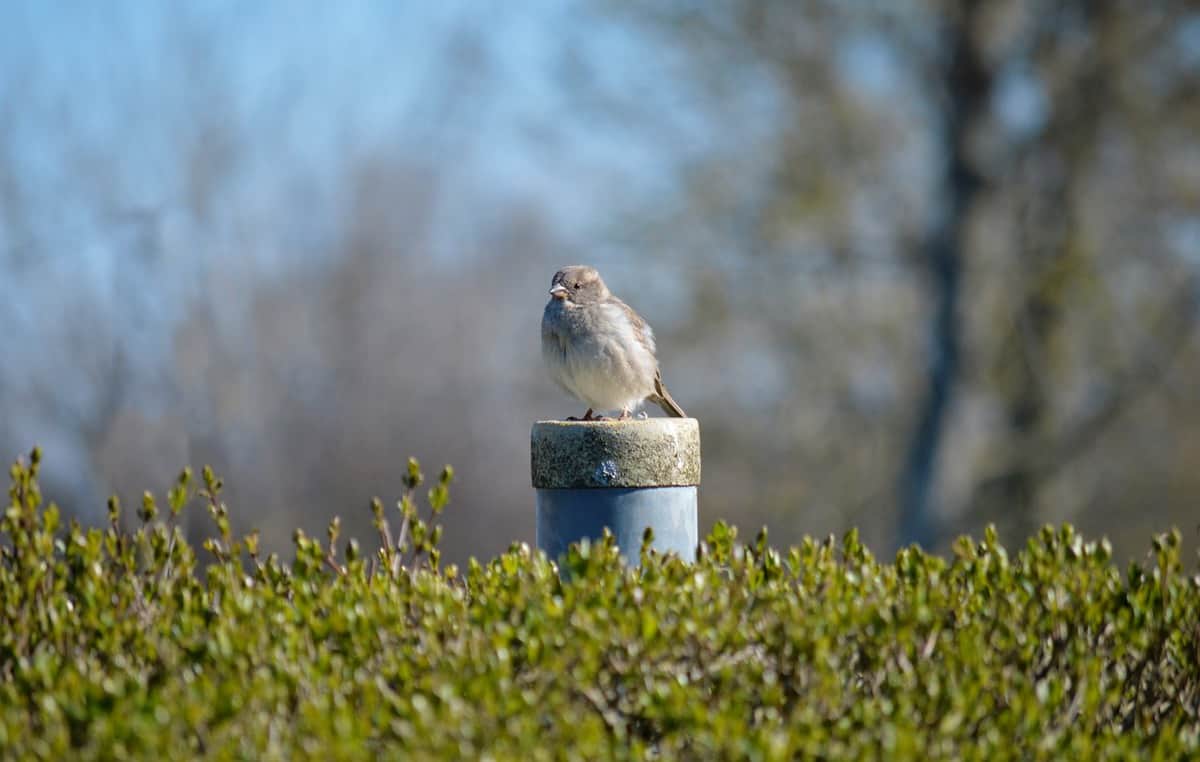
column 966, row 85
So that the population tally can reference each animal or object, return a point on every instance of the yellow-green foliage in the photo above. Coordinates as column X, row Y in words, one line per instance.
column 118, row 644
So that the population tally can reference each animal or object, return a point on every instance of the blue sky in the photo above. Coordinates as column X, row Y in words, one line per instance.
column 305, row 82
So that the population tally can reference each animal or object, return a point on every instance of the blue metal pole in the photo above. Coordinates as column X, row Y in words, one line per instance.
column 623, row 475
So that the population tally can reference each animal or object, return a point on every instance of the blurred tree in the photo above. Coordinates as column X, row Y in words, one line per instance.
column 1086, row 55
column 156, row 330
column 976, row 167
column 916, row 265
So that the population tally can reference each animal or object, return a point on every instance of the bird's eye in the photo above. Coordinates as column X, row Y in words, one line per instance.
column 578, row 286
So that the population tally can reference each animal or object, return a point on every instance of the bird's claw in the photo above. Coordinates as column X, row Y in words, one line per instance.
column 590, row 416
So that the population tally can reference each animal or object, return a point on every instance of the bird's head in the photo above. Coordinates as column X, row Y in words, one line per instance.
column 578, row 284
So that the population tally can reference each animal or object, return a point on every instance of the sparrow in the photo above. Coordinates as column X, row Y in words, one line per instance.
column 598, row 349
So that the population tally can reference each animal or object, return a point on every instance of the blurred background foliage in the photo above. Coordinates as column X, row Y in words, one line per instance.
column 915, row 266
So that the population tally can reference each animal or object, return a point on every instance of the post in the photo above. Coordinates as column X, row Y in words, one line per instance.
column 624, row 475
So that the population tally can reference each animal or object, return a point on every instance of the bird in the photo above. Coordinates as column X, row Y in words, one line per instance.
column 598, row 349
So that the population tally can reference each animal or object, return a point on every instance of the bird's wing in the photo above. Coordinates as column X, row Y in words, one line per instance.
column 641, row 329
column 661, row 396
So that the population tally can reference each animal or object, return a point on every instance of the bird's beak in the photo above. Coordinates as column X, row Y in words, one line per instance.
column 558, row 291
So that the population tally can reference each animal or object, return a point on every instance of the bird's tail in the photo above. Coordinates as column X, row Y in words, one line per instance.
column 662, row 398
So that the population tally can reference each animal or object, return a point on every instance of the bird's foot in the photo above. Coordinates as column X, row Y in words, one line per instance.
column 586, row 417
column 625, row 415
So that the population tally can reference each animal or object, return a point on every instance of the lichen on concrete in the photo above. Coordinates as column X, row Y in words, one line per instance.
column 651, row 452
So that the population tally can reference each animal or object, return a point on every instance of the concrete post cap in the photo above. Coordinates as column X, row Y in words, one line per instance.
column 647, row 452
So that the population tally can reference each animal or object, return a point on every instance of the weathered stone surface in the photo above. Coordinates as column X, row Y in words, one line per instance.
column 650, row 452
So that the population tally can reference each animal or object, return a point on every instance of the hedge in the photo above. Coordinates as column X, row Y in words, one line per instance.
column 122, row 642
